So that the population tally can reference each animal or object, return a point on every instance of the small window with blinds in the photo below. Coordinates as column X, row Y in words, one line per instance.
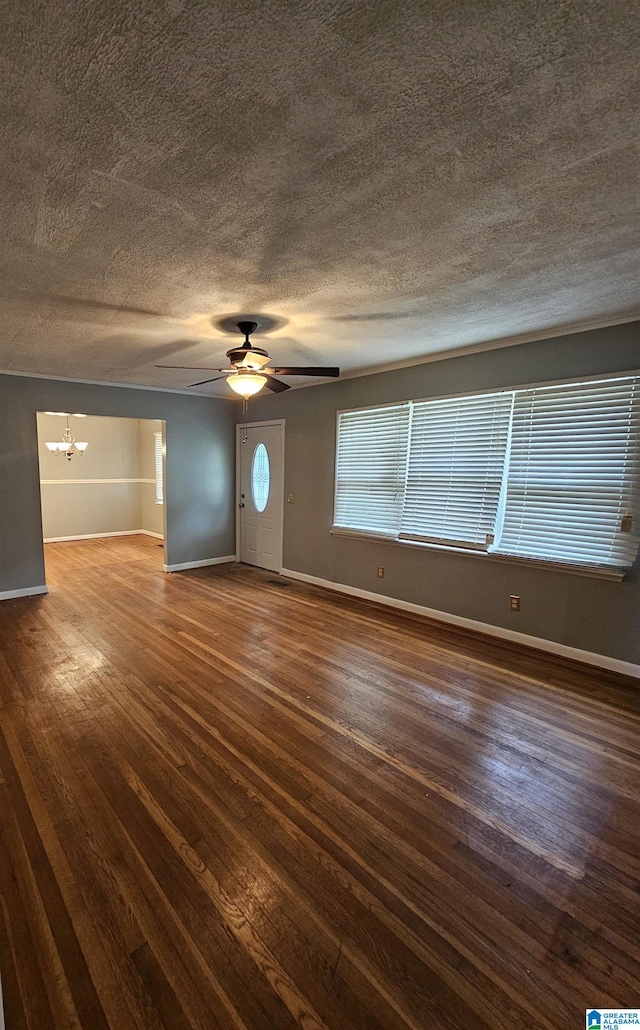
column 571, row 490
column 456, row 465
column 551, row 473
column 371, row 469
column 157, row 456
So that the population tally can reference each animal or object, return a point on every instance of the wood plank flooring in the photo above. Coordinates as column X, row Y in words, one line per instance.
column 231, row 801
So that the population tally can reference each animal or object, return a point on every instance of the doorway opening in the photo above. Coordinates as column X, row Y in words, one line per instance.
column 102, row 494
column 260, row 479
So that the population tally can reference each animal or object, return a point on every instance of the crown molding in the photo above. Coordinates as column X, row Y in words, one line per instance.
column 551, row 333
column 102, row 382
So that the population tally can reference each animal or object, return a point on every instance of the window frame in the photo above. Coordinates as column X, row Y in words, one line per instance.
column 615, row 573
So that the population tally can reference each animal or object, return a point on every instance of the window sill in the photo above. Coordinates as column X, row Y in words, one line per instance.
column 617, row 575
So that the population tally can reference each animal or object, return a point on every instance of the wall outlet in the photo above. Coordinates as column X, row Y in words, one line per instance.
column 514, row 602
column 380, row 571
column 291, row 499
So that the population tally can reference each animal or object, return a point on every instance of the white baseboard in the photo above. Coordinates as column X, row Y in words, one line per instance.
column 101, row 536
column 199, row 564
column 602, row 661
column 8, row 595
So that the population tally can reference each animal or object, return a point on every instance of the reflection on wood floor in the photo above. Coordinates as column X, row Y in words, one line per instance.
column 227, row 802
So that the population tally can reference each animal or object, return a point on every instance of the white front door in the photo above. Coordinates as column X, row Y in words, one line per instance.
column 261, row 494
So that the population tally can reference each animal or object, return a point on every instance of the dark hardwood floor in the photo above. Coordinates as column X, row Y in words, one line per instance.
column 231, row 801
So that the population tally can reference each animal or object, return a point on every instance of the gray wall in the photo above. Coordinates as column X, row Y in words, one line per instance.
column 199, row 468
column 592, row 614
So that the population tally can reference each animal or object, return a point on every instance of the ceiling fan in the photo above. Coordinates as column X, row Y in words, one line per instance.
column 249, row 372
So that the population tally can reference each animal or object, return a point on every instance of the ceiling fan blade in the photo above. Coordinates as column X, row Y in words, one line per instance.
column 198, row 368
column 214, row 380
column 276, row 386
column 329, row 372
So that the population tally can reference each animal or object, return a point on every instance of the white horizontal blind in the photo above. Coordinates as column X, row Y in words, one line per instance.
column 456, row 465
column 371, row 469
column 157, row 439
column 574, row 473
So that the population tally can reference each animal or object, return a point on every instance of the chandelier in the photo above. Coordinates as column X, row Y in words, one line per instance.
column 68, row 445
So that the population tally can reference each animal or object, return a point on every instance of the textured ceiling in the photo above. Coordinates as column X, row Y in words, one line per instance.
column 390, row 179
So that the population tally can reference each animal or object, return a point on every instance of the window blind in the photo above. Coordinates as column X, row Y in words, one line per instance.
column 573, row 474
column 157, row 440
column 371, row 468
column 455, row 469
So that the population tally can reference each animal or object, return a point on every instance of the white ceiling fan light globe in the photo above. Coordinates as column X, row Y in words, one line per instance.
column 246, row 383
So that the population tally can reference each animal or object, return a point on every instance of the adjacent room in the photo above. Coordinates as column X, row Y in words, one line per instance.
column 319, row 516
column 109, row 484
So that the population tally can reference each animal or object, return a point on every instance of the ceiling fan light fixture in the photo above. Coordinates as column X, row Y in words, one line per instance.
column 247, row 364
column 246, row 383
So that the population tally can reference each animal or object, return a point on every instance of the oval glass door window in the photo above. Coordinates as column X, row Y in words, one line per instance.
column 260, row 477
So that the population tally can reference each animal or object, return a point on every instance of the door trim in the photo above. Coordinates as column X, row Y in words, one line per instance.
column 258, row 425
